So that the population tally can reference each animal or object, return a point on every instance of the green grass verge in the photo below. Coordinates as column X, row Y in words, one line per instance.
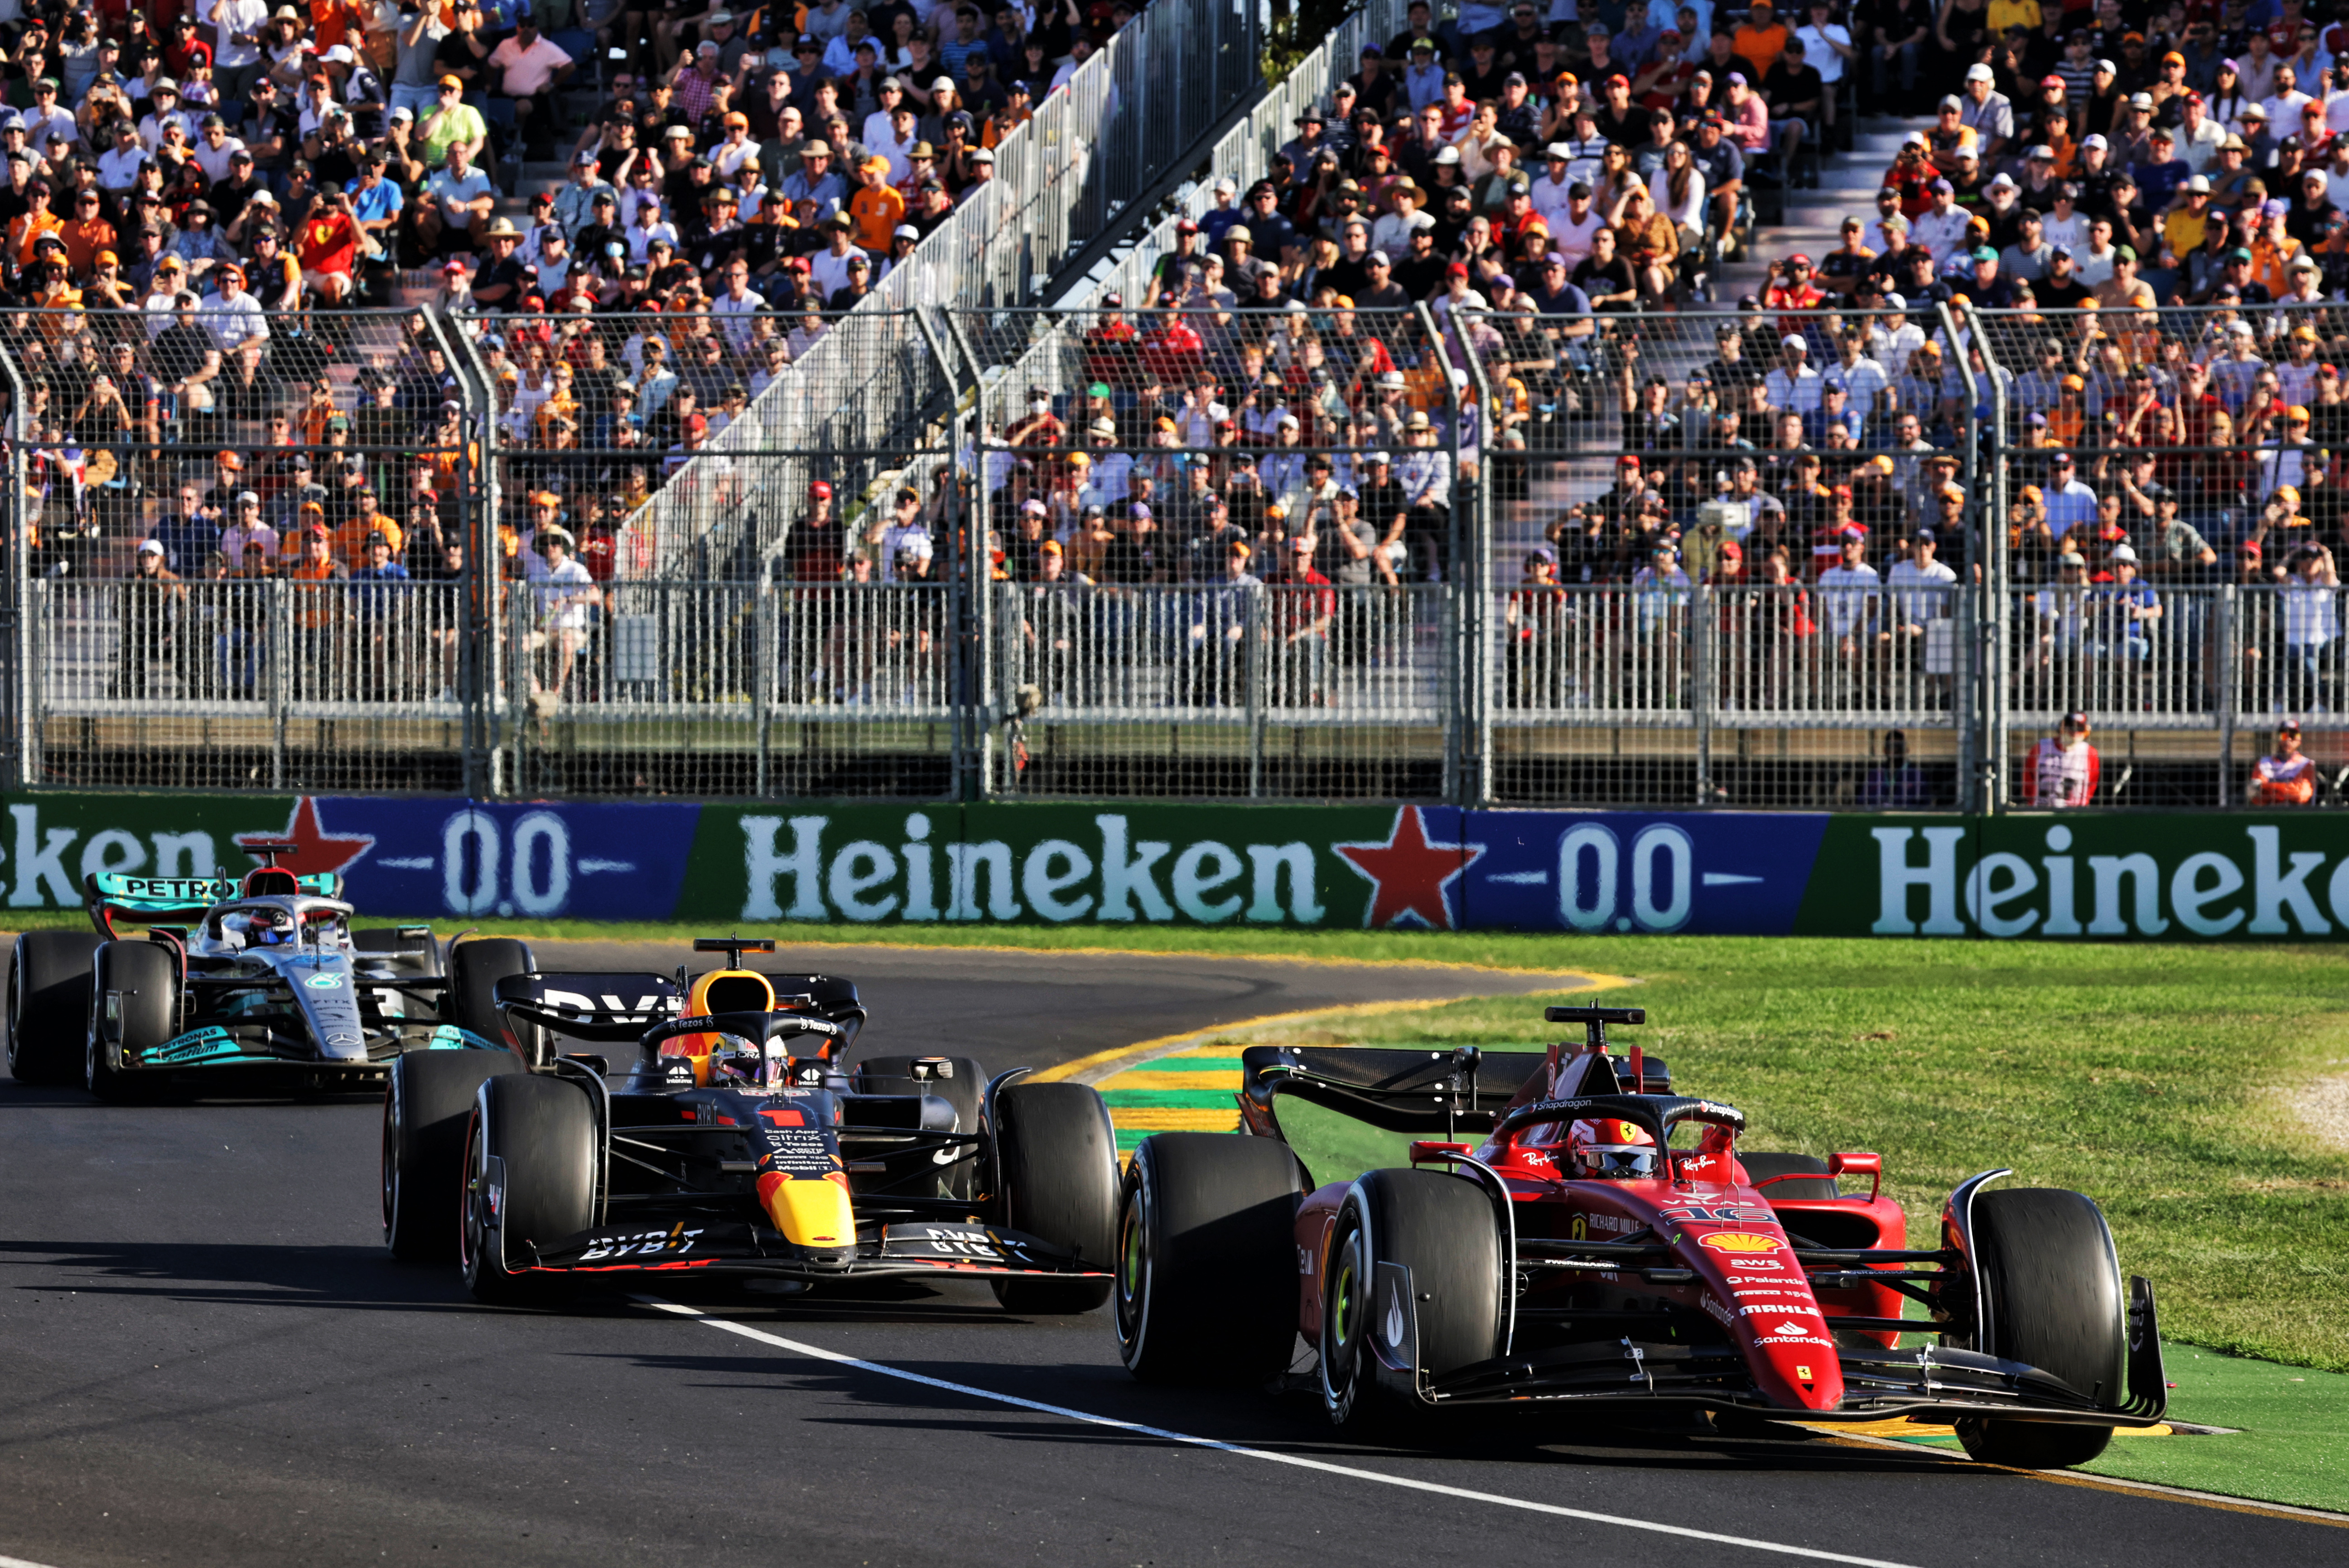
column 2285, row 1446
column 2290, row 1447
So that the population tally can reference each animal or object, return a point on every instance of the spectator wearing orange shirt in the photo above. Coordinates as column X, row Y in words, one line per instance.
column 1760, row 39
column 86, row 233
column 876, row 210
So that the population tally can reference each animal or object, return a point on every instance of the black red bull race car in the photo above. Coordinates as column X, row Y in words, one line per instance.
column 1577, row 1257
column 739, row 1141
column 236, row 985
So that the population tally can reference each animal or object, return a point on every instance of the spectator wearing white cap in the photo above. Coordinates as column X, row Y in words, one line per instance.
column 1794, row 386
column 1552, row 186
column 1986, row 113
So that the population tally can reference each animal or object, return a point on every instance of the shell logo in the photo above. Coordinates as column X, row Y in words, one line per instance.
column 1739, row 1241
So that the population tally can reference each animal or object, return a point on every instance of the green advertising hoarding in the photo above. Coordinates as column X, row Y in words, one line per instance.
column 2069, row 876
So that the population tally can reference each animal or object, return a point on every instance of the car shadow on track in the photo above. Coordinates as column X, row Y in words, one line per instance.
column 1290, row 1424
column 337, row 1279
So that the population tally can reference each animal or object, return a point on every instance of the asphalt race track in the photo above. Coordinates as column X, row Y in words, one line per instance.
column 210, row 1359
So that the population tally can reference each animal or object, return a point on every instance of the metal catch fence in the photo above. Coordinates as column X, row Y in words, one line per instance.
column 1213, row 552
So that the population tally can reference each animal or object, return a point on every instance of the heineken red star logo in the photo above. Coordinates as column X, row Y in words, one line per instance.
column 1408, row 873
column 317, row 850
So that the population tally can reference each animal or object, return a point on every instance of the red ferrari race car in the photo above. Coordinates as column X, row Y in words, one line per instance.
column 1576, row 1256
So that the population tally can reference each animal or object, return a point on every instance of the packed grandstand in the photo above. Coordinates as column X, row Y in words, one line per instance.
column 2088, row 314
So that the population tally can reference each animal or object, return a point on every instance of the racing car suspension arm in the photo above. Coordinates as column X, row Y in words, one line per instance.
column 1870, row 1255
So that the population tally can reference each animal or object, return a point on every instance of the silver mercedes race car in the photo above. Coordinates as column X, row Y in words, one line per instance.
column 251, row 985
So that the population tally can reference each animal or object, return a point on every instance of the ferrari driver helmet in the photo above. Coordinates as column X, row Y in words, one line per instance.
column 1610, row 1148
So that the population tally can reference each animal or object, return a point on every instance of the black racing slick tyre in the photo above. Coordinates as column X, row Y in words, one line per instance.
column 475, row 967
column 1442, row 1229
column 1799, row 1168
column 959, row 1081
column 530, row 1170
column 49, row 1005
column 134, row 1007
column 1206, row 1259
column 2052, row 1282
column 1056, row 1160
column 427, row 1102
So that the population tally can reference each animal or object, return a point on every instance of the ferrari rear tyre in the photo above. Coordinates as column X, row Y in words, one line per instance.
column 1439, row 1227
column 1206, row 1259
column 529, row 1170
column 1761, row 1168
column 49, row 1005
column 426, row 1103
column 2053, row 1287
column 963, row 1086
column 475, row 968
column 134, row 1006
column 1056, row 1160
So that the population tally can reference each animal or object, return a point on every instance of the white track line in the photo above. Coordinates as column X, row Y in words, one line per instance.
column 20, row 1562
column 818, row 1353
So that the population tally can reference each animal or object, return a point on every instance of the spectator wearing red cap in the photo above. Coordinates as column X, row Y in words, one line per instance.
column 811, row 550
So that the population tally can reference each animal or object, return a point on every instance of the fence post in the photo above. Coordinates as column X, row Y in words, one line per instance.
column 281, row 660
column 1252, row 632
column 23, row 687
column 975, row 703
column 1700, row 691
column 767, row 646
column 968, row 565
column 1481, row 583
column 1454, row 615
column 1979, row 762
column 2226, row 638
column 481, row 590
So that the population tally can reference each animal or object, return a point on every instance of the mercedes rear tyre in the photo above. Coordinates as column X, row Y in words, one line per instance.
column 475, row 967
column 959, row 1081
column 134, row 1006
column 1800, row 1168
column 1056, row 1163
column 426, row 1101
column 49, row 1005
column 2052, row 1289
column 530, row 1182
column 1206, row 1259
column 1439, row 1311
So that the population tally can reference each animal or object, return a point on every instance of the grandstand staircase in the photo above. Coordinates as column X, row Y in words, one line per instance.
column 1848, row 185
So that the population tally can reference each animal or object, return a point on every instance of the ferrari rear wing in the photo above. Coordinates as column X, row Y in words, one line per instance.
column 1423, row 1093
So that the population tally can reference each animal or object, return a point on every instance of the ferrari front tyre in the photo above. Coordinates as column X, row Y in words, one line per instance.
column 529, row 1181
column 426, row 1103
column 2052, row 1289
column 49, row 1005
column 1056, row 1159
column 475, row 967
column 1441, row 1230
column 1206, row 1259
column 963, row 1086
column 134, row 1006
